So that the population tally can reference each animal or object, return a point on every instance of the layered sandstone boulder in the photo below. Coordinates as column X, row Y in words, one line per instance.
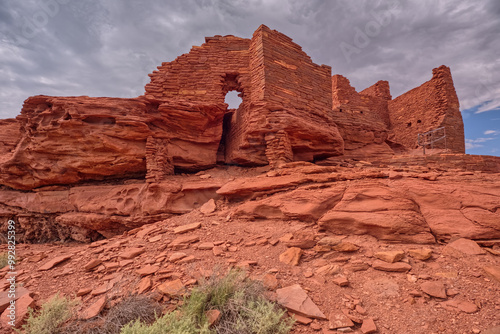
column 66, row 140
column 9, row 137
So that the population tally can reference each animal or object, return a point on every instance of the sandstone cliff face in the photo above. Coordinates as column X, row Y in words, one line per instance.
column 67, row 140
column 9, row 137
column 421, row 205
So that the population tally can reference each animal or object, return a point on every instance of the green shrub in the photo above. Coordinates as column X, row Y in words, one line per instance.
column 244, row 310
column 52, row 315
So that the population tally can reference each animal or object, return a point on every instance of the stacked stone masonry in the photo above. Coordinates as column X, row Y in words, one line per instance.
column 158, row 162
column 432, row 105
column 279, row 149
column 292, row 110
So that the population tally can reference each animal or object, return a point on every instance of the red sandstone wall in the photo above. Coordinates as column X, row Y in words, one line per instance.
column 291, row 78
column 432, row 105
column 205, row 74
column 246, row 144
column 343, row 93
column 290, row 93
column 362, row 118
column 380, row 89
column 298, row 93
column 376, row 98
column 371, row 102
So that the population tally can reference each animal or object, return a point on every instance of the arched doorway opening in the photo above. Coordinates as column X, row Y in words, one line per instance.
column 233, row 97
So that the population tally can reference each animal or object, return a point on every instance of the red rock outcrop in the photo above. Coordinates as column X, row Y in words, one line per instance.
column 78, row 212
column 86, row 169
column 9, row 137
column 66, row 140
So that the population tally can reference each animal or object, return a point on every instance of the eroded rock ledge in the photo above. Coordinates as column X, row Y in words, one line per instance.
column 417, row 204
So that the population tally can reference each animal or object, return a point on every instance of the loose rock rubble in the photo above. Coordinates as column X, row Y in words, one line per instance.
column 327, row 290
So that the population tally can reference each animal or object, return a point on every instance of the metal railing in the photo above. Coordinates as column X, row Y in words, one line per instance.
column 431, row 137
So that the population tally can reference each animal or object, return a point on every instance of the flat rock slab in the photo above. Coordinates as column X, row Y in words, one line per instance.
column 296, row 300
column 177, row 256
column 54, row 262
column 462, row 305
column 147, row 270
column 102, row 289
column 172, row 288
column 392, row 267
column 187, row 228
column 184, row 242
column 300, row 319
column 209, row 207
column 466, row 246
column 341, row 281
column 270, row 281
column 291, row 256
column 467, row 307
column 206, row 246
column 92, row 264
column 144, row 285
column 83, row 292
column 339, row 320
column 132, row 253
column 434, row 289
column 390, row 256
column 368, row 326
column 5, row 299
column 249, row 186
column 94, row 309
column 345, row 246
column 213, row 317
column 493, row 272
column 420, row 254
column 21, row 311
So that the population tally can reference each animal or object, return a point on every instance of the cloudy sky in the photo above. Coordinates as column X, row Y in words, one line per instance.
column 107, row 47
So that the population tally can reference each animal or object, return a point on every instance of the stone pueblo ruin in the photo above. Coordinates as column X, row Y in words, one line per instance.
column 364, row 204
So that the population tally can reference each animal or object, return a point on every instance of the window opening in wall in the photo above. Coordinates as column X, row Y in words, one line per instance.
column 233, row 99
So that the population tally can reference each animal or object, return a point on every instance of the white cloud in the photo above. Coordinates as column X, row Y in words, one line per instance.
column 476, row 143
column 480, row 140
column 470, row 146
column 489, row 105
column 492, row 132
